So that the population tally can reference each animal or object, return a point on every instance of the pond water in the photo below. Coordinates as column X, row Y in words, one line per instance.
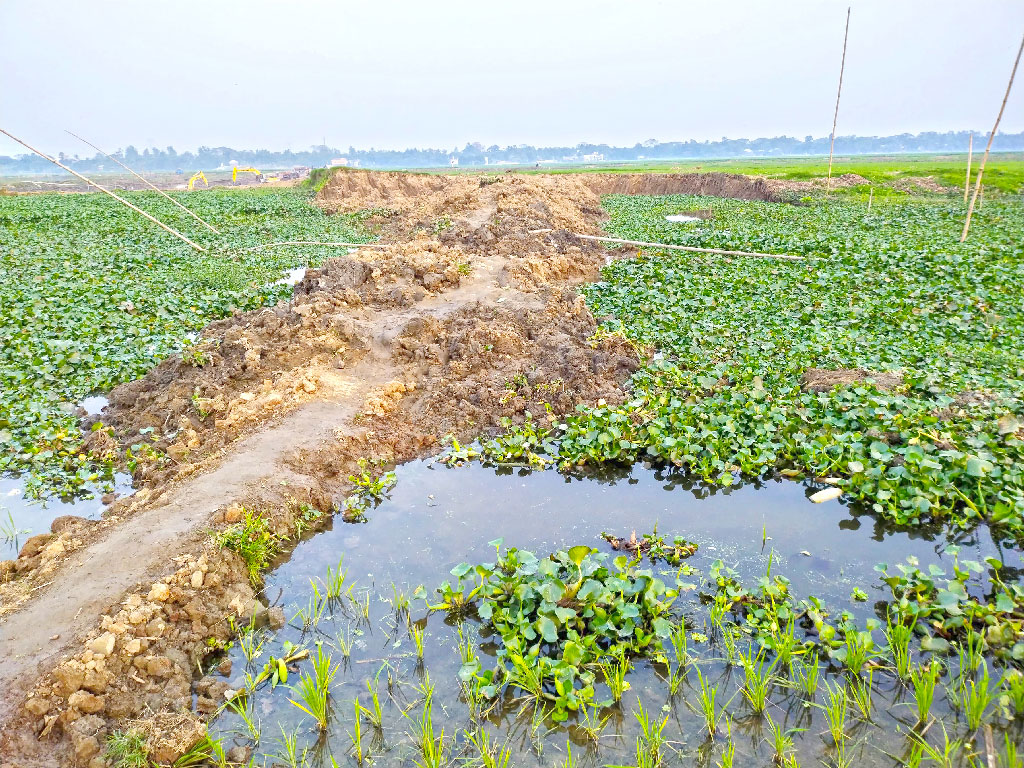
column 292, row 276
column 437, row 517
column 21, row 518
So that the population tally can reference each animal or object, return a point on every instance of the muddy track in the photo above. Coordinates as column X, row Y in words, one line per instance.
column 468, row 318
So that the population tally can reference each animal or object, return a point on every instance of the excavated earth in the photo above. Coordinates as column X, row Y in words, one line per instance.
column 467, row 316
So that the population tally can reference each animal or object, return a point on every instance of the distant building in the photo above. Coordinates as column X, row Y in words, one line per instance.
column 339, row 161
column 594, row 157
column 453, row 161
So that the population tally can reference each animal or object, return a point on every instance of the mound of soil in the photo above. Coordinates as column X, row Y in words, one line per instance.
column 732, row 185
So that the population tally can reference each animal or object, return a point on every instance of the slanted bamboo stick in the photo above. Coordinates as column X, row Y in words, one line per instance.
column 314, row 242
column 988, row 147
column 104, row 190
column 690, row 248
column 967, row 181
column 839, row 92
column 147, row 182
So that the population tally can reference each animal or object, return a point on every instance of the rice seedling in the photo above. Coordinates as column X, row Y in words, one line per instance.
column 313, row 691
column 785, row 643
column 757, row 679
column 858, row 646
column 898, row 637
column 344, row 642
column 528, row 678
column 242, row 706
column 207, row 751
column 923, row 679
column 971, row 653
column 615, row 672
column 569, row 761
column 805, row 673
column 782, row 740
column 861, row 692
column 357, row 734
column 728, row 751
column 432, row 747
column 126, row 749
column 709, row 707
column 334, row 582
column 975, row 697
column 835, row 708
column 592, row 723
column 9, row 530
column 251, row 641
column 680, row 643
column 373, row 712
column 1010, row 757
column 946, row 755
column 650, row 742
column 290, row 755
column 1013, row 688
column 417, row 631
column 489, row 754
column 399, row 600
column 310, row 615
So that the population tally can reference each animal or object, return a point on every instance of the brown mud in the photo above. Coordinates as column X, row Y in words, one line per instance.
column 468, row 318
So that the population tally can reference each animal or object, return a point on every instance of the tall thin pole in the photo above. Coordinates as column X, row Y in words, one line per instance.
column 839, row 92
column 970, row 150
column 104, row 190
column 988, row 147
column 153, row 186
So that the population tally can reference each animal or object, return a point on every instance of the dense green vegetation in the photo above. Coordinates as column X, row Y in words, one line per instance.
column 93, row 295
column 888, row 291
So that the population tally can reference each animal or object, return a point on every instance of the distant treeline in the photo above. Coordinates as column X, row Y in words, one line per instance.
column 476, row 154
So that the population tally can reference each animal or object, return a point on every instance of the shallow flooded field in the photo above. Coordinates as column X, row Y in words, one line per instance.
column 391, row 651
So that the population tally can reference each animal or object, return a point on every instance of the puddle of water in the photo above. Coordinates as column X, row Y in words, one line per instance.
column 94, row 404
column 292, row 276
column 22, row 518
column 436, row 518
column 682, row 217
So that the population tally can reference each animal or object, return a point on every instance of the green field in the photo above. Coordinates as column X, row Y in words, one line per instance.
column 94, row 295
column 892, row 290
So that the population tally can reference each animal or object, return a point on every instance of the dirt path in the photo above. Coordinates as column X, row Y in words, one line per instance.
column 95, row 577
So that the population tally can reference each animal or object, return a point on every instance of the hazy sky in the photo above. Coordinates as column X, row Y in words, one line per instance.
column 288, row 74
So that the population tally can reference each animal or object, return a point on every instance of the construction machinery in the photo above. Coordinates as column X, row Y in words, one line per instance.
column 236, row 170
column 198, row 177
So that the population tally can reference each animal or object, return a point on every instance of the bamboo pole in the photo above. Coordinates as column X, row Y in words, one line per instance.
column 839, row 92
column 314, row 242
column 147, row 182
column 967, row 181
column 988, row 147
column 106, row 191
column 690, row 248
column 871, row 193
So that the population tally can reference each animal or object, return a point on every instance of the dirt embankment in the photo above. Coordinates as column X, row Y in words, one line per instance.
column 467, row 317
column 733, row 185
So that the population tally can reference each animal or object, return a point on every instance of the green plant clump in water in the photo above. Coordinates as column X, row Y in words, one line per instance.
column 887, row 291
column 559, row 617
column 944, row 609
column 94, row 295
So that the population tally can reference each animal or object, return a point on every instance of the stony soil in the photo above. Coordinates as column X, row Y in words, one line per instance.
column 468, row 316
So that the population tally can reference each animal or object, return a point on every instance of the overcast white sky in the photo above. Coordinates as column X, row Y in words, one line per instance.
column 275, row 74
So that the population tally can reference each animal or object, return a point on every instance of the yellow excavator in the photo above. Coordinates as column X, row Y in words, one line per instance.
column 236, row 170
column 197, row 177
